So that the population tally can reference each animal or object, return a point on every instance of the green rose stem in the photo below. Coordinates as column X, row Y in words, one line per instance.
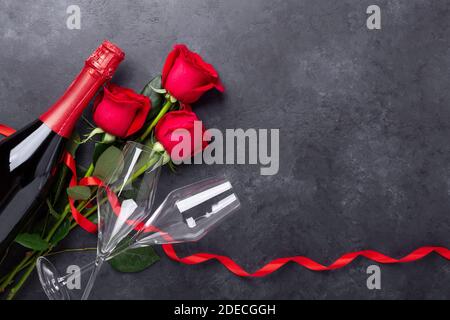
column 34, row 256
column 90, row 170
column 7, row 275
column 161, row 113
column 22, row 280
column 5, row 281
column 31, row 264
column 30, row 255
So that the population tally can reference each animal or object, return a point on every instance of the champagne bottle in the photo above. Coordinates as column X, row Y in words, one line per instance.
column 30, row 157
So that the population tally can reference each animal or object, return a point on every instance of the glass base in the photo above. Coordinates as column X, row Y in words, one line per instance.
column 53, row 285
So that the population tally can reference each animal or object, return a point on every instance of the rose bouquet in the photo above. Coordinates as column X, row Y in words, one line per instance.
column 119, row 114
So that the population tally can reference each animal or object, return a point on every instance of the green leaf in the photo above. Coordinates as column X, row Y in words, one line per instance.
column 156, row 98
column 130, row 193
column 134, row 260
column 32, row 241
column 61, row 232
column 109, row 163
column 79, row 192
column 99, row 149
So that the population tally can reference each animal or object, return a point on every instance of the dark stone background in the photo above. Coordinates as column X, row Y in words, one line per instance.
column 364, row 120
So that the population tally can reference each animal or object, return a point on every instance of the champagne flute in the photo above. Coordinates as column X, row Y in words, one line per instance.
column 187, row 214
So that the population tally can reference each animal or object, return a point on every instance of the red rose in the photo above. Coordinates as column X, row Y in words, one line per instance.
column 120, row 111
column 187, row 77
column 166, row 133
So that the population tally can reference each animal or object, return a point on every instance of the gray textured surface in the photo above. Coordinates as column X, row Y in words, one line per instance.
column 364, row 118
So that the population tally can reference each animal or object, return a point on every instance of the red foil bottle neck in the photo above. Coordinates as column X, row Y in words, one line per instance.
column 99, row 68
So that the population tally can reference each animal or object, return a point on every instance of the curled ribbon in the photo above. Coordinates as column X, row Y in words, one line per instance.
column 229, row 263
column 273, row 265
column 84, row 222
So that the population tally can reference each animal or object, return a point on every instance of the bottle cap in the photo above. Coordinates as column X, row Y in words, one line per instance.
column 105, row 59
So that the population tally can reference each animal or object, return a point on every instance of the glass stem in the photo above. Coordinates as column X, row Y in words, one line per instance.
column 89, row 267
column 84, row 269
column 97, row 265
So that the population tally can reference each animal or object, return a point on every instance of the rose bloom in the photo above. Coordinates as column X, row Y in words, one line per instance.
column 187, row 77
column 120, row 111
column 170, row 123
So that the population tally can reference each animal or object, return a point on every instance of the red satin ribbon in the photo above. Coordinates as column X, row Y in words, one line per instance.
column 6, row 131
column 84, row 222
column 273, row 265
column 230, row 264
column 306, row 262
